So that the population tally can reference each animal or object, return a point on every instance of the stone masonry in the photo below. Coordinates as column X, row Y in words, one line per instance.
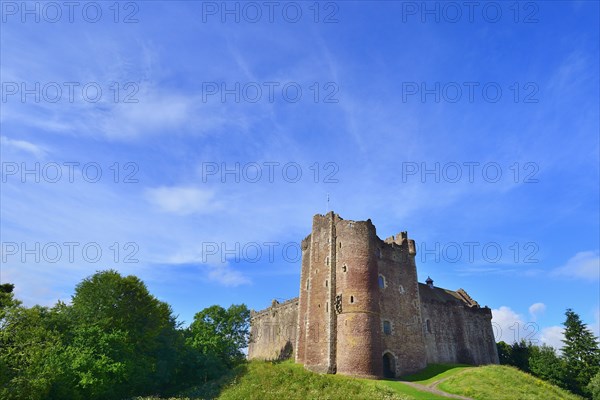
column 361, row 311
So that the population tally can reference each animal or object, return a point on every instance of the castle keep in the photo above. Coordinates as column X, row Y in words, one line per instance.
column 361, row 311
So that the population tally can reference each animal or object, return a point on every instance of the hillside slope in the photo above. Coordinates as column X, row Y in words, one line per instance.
column 289, row 381
column 500, row 382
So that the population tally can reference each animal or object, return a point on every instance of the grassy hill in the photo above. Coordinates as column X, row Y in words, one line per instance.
column 289, row 381
column 500, row 382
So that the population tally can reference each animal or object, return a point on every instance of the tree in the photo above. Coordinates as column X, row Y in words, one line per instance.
column 31, row 360
column 221, row 333
column 7, row 300
column 114, row 341
column 123, row 341
column 520, row 353
column 504, row 353
column 581, row 353
column 545, row 364
column 594, row 387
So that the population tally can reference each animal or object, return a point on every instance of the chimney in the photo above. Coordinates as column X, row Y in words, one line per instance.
column 429, row 282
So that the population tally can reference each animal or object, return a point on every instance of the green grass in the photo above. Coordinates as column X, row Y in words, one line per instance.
column 435, row 372
column 499, row 382
column 289, row 381
column 409, row 391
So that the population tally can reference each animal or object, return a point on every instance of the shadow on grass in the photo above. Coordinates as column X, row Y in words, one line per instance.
column 431, row 371
column 213, row 388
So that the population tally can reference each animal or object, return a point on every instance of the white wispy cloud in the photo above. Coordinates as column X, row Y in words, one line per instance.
column 225, row 275
column 9, row 144
column 583, row 265
column 553, row 336
column 536, row 309
column 510, row 326
column 183, row 200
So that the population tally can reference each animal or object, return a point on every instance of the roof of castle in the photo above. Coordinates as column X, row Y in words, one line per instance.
column 446, row 296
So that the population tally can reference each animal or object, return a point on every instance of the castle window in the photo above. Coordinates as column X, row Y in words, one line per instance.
column 351, row 299
column 381, row 282
column 387, row 327
column 327, row 307
column 327, row 261
column 307, row 284
column 326, row 282
column 428, row 324
column 340, row 245
column 345, row 268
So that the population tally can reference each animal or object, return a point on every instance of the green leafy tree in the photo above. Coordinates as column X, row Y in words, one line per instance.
column 32, row 353
column 520, row 353
column 220, row 334
column 114, row 341
column 504, row 353
column 594, row 387
column 580, row 352
column 7, row 302
column 547, row 365
column 6, row 295
column 124, row 338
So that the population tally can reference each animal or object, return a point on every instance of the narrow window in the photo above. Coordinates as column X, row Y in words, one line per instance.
column 387, row 327
column 344, row 268
column 340, row 245
column 307, row 284
column 327, row 261
column 327, row 307
column 351, row 299
column 381, row 282
column 428, row 323
column 326, row 282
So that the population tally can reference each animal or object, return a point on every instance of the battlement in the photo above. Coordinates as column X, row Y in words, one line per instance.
column 362, row 312
column 275, row 305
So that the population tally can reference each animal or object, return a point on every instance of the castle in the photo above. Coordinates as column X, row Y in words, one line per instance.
column 361, row 311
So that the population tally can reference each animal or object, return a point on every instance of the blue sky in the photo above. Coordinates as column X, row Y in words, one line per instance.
column 192, row 142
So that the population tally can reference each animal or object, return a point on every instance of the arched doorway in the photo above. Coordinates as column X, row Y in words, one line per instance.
column 389, row 365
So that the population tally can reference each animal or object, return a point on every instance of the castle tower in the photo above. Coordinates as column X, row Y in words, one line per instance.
column 357, row 294
column 338, row 323
column 362, row 311
column 400, row 307
column 316, row 341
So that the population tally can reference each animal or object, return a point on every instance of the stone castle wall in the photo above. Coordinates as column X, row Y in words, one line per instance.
column 400, row 305
column 358, row 318
column 455, row 333
column 362, row 312
column 316, row 292
column 273, row 331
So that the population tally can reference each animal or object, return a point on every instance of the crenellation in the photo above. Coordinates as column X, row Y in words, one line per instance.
column 362, row 312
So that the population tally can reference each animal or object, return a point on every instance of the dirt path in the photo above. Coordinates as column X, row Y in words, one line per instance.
column 432, row 388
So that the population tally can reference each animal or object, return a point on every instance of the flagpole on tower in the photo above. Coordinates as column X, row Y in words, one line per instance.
column 326, row 211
